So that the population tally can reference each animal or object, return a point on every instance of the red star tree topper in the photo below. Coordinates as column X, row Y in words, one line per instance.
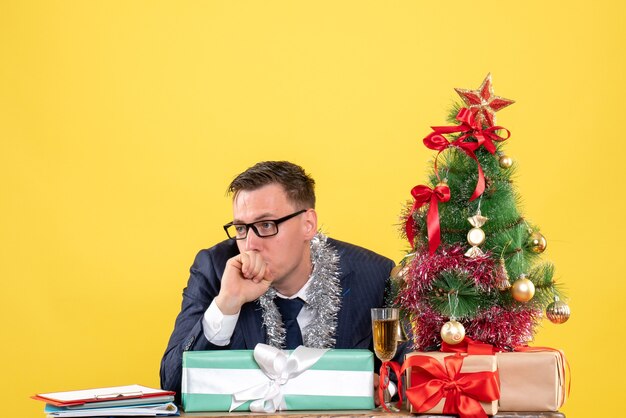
column 484, row 102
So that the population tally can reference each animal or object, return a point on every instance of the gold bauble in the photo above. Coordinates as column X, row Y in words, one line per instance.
column 537, row 243
column 505, row 161
column 523, row 289
column 476, row 236
column 399, row 271
column 452, row 332
column 558, row 311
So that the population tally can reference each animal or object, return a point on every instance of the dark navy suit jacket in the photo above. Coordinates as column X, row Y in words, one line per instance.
column 363, row 277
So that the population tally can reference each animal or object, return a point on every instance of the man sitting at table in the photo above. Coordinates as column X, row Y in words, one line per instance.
column 277, row 279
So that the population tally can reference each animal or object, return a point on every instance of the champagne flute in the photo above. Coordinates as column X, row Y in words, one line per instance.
column 385, row 323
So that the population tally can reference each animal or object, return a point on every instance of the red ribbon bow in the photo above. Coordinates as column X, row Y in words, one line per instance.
column 469, row 127
column 431, row 381
column 424, row 194
column 485, row 137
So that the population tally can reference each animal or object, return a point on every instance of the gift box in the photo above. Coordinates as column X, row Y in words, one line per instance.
column 267, row 379
column 531, row 380
column 448, row 383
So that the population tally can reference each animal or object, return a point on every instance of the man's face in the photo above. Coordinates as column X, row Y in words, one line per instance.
column 286, row 253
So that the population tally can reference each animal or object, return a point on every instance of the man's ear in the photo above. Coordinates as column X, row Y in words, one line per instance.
column 310, row 223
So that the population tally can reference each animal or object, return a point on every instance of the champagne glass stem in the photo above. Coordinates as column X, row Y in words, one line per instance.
column 386, row 393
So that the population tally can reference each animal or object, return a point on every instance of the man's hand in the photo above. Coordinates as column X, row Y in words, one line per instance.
column 246, row 277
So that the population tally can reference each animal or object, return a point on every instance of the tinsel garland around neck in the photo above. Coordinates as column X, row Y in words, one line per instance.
column 323, row 297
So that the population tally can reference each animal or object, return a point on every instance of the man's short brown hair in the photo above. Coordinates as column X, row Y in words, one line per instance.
column 299, row 186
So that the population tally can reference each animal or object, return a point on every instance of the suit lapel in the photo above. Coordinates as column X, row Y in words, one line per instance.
column 343, row 334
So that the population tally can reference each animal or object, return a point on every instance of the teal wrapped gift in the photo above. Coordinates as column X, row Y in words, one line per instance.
column 267, row 379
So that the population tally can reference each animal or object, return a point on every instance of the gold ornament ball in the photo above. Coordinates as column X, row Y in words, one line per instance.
column 476, row 236
column 558, row 312
column 452, row 332
column 399, row 271
column 395, row 272
column 505, row 161
column 523, row 289
column 537, row 243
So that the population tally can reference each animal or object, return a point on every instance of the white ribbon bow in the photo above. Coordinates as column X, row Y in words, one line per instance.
column 279, row 368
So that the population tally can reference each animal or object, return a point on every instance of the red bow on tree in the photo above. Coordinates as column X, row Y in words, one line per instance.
column 469, row 127
column 424, row 194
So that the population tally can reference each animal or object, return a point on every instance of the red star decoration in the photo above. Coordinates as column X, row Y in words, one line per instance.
column 483, row 102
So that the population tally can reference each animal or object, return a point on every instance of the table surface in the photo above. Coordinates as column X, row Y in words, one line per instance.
column 358, row 414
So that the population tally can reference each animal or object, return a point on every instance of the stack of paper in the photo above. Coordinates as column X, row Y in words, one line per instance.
column 119, row 401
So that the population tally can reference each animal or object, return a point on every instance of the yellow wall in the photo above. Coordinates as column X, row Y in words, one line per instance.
column 122, row 122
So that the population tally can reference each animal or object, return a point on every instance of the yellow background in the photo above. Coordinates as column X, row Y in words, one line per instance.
column 122, row 122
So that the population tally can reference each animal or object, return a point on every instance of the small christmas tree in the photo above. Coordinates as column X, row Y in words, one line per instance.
column 474, row 267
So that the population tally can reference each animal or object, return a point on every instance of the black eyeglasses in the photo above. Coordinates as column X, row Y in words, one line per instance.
column 262, row 229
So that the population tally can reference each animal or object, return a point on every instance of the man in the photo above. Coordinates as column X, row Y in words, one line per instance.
column 276, row 280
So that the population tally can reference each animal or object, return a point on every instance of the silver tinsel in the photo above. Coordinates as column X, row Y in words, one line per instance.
column 323, row 297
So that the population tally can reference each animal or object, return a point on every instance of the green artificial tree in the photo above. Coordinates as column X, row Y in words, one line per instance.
column 474, row 268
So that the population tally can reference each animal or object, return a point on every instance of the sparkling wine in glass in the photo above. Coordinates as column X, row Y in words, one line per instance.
column 385, row 323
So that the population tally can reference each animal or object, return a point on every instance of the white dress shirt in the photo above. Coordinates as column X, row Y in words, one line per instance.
column 218, row 328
